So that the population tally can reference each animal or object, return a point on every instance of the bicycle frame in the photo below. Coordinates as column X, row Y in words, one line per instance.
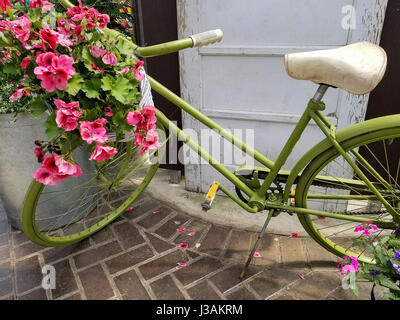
column 258, row 199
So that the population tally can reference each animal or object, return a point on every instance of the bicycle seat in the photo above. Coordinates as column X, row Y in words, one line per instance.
column 357, row 68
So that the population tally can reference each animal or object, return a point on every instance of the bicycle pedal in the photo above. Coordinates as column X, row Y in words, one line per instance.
column 206, row 205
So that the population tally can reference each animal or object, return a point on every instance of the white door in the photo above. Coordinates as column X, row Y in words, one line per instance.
column 241, row 82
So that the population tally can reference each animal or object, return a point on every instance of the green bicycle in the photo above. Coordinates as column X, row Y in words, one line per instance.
column 349, row 178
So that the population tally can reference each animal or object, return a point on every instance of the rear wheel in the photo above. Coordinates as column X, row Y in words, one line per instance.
column 78, row 207
column 347, row 194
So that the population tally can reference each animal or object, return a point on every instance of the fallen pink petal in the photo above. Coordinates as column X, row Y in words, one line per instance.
column 197, row 245
column 294, row 235
column 181, row 264
column 178, row 223
column 157, row 211
column 322, row 218
column 183, row 245
column 129, row 209
column 191, row 234
column 301, row 275
column 256, row 254
column 180, row 231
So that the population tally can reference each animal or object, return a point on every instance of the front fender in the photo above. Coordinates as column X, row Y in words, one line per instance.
column 353, row 131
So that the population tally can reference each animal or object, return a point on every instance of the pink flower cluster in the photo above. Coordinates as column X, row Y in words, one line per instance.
column 54, row 71
column 139, row 76
column 41, row 4
column 4, row 4
column 89, row 15
column 145, row 134
column 107, row 57
column 54, row 169
column 21, row 29
column 21, row 91
column 348, row 264
column 67, row 114
column 95, row 132
column 366, row 227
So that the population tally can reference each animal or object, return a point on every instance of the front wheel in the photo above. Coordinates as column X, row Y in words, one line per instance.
column 329, row 184
column 78, row 207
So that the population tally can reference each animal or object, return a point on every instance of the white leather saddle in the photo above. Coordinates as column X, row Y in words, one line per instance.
column 357, row 68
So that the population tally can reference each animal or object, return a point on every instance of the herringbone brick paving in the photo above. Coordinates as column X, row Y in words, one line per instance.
column 136, row 258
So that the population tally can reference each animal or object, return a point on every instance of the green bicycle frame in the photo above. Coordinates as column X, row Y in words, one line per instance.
column 257, row 199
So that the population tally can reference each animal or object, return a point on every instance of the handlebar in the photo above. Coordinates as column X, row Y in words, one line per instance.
column 196, row 40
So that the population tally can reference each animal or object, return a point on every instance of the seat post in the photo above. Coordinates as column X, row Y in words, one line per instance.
column 320, row 93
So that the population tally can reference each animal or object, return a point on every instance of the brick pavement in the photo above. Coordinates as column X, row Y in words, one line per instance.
column 136, row 258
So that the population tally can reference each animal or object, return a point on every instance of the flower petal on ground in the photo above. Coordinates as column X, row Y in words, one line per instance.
column 257, row 255
column 181, row 264
column 191, row 233
column 301, row 275
column 183, row 245
column 180, row 231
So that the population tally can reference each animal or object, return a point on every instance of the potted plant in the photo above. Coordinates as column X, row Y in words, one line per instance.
column 82, row 79
column 385, row 269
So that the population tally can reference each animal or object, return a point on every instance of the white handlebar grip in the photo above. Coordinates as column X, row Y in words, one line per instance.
column 206, row 38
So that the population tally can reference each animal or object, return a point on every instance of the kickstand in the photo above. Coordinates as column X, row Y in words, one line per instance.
column 261, row 234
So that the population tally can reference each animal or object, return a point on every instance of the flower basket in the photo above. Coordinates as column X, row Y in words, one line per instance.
column 89, row 91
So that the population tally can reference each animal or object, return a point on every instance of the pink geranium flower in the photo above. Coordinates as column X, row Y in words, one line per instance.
column 151, row 142
column 46, row 177
column 54, row 169
column 144, row 119
column 139, row 76
column 66, row 168
column 94, row 131
column 49, row 37
column 124, row 70
column 67, row 114
column 21, row 29
column 102, row 153
column 109, row 58
column 20, row 92
column 135, row 118
column 108, row 112
column 54, row 71
column 25, row 63
column 96, row 52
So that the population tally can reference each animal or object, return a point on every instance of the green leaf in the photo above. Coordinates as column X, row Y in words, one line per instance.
column 107, row 83
column 388, row 283
column 92, row 88
column 74, row 84
column 10, row 68
column 37, row 106
column 125, row 47
column 119, row 119
column 52, row 130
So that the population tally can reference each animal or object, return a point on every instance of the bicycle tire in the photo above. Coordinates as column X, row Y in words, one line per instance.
column 318, row 228
column 80, row 228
